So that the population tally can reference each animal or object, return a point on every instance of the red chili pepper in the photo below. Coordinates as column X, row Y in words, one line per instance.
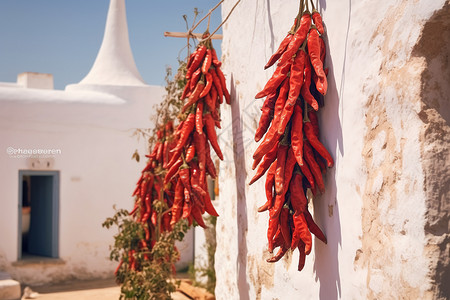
column 298, row 200
column 317, row 18
column 289, row 169
column 218, row 85
column 144, row 186
column 177, row 207
column 313, row 227
column 147, row 232
column 211, row 106
column 154, row 218
column 280, row 74
column 215, row 59
column 297, row 134
column 320, row 148
column 148, row 205
column 323, row 52
column 273, row 226
column 211, row 134
column 165, row 224
column 186, row 90
column 281, row 164
column 178, row 130
column 301, row 232
column 224, row 85
column 173, row 170
column 185, row 131
column 210, row 168
column 195, row 176
column 320, row 162
column 214, row 102
column 191, row 58
column 190, row 153
column 148, row 209
column 307, row 173
column 281, row 252
column 315, row 170
column 118, row 267
column 207, row 61
column 298, row 39
column 193, row 98
column 281, row 49
column 302, row 257
column 185, row 177
column 272, row 136
column 166, row 153
column 187, row 207
column 199, row 118
column 284, row 224
column 197, row 60
column 295, row 84
column 274, row 212
column 269, row 158
column 133, row 211
column 306, row 93
column 198, row 216
column 270, row 181
column 209, row 82
column 208, row 204
column 199, row 142
column 312, row 116
column 277, row 240
column 195, row 78
column 266, row 116
column 314, row 54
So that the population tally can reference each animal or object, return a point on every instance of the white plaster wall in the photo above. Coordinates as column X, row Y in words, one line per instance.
column 96, row 172
column 374, row 205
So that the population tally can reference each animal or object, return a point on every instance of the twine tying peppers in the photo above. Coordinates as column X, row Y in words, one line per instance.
column 290, row 151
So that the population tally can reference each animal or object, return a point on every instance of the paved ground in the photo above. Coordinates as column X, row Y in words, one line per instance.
column 105, row 289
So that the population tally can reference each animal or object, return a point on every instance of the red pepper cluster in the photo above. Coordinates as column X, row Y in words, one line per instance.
column 191, row 160
column 291, row 150
column 149, row 189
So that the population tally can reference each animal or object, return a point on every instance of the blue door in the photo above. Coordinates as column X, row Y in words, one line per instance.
column 41, row 238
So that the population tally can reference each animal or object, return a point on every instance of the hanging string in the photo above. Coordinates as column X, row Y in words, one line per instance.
column 209, row 21
column 312, row 5
column 207, row 15
column 223, row 22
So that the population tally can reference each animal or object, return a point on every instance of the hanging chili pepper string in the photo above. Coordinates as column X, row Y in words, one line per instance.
column 191, row 158
column 290, row 149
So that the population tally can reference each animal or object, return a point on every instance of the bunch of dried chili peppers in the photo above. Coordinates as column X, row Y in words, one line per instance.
column 149, row 191
column 191, row 158
column 290, row 150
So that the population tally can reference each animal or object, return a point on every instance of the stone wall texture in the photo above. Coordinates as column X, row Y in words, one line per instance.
column 386, row 119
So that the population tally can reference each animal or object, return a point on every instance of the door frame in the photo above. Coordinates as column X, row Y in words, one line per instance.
column 55, row 208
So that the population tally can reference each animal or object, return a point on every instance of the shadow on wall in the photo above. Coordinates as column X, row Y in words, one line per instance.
column 241, row 205
column 326, row 209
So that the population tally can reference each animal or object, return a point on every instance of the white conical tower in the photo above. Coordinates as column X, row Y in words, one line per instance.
column 114, row 69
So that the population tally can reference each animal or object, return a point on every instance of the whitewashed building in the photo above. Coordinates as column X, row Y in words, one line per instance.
column 66, row 160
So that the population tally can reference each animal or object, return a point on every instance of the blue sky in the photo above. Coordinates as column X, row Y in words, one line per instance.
column 63, row 37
